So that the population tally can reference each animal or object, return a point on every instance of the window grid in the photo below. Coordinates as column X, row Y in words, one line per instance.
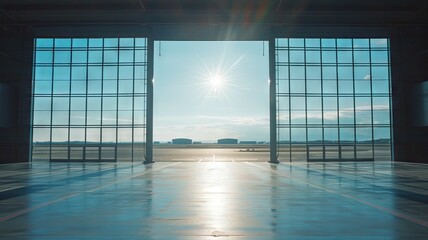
column 72, row 79
column 335, row 71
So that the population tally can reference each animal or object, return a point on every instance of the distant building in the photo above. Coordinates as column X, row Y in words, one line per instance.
column 227, row 141
column 248, row 142
column 197, row 142
column 182, row 141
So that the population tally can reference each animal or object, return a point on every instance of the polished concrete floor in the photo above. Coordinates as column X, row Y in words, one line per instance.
column 212, row 200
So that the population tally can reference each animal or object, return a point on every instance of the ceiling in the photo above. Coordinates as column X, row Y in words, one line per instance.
column 231, row 12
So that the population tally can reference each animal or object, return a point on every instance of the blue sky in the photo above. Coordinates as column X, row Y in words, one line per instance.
column 211, row 90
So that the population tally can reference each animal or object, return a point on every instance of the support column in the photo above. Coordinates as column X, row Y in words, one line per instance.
column 272, row 103
column 149, row 107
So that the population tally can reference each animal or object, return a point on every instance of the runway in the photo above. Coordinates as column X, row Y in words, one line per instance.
column 207, row 154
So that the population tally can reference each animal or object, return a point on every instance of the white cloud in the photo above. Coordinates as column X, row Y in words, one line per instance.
column 367, row 77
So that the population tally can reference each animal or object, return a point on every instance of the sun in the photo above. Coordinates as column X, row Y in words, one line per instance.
column 216, row 82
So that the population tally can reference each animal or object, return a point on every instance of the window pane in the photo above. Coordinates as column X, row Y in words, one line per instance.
column 315, row 135
column 60, row 117
column 60, row 103
column 110, row 73
column 297, row 56
column 379, row 42
column 331, row 135
column 346, row 87
column 41, row 135
column 139, row 103
column 297, row 86
column 44, row 42
column 140, row 56
column 78, row 103
column 44, row 57
column 329, row 73
column 345, row 73
column 79, row 56
column 77, row 134
column 77, row 117
column 282, row 55
column 42, row 117
column 379, row 57
column 109, row 117
column 298, row 135
column 125, row 117
column 78, row 73
column 330, row 86
column 43, row 73
column 297, row 73
column 362, row 73
column 361, row 57
column 59, row 135
column 126, row 86
column 94, row 73
column 328, row 57
column 313, row 56
column 361, row 43
column 124, row 135
column 140, row 72
column 62, row 56
column 110, row 86
column 109, row 103
column 313, row 73
column 126, row 72
column 139, row 117
column 61, row 73
column 42, row 103
column 110, row 56
column 362, row 87
column 109, row 135
column 330, row 103
column 328, row 43
column 94, row 103
column 95, row 42
column 139, row 135
column 93, row 117
column 314, row 86
column 347, row 135
column 93, row 135
column 79, row 42
column 380, row 86
column 314, row 103
column 126, row 42
column 126, row 56
column 314, row 117
column 344, row 43
column 78, row 87
column 344, row 56
column 312, row 42
column 296, row 42
column 95, row 57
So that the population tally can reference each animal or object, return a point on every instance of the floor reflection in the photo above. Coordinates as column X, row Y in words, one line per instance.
column 214, row 199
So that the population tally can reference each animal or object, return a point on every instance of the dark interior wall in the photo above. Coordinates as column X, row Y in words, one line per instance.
column 409, row 60
column 15, row 91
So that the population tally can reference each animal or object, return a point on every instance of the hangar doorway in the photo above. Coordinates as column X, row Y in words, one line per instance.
column 211, row 101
